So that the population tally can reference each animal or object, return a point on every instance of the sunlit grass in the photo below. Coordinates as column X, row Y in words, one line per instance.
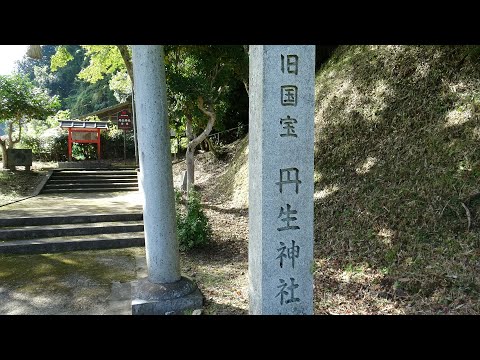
column 397, row 130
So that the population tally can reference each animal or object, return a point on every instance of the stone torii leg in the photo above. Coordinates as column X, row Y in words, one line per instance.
column 165, row 290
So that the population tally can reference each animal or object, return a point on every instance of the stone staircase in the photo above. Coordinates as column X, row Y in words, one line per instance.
column 50, row 234
column 91, row 180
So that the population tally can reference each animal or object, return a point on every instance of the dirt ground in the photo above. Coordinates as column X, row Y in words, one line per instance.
column 220, row 269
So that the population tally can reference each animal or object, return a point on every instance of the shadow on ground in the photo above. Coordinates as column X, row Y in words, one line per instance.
column 63, row 283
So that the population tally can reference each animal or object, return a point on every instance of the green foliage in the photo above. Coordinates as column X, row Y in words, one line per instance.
column 55, row 143
column 20, row 102
column 27, row 64
column 193, row 228
column 20, row 99
column 112, row 143
column 65, row 82
column 121, row 86
column 79, row 96
column 236, row 113
column 43, row 78
column 217, row 73
column 60, row 59
column 49, row 142
column 206, row 71
column 90, row 97
column 84, row 151
column 78, row 151
column 104, row 59
column 46, row 139
column 104, row 63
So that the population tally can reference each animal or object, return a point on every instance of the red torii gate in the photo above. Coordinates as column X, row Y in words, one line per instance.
column 83, row 132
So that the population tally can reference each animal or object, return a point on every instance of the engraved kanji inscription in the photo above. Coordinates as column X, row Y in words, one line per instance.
column 291, row 253
column 286, row 291
column 290, row 64
column 288, row 125
column 288, row 178
column 288, row 218
column 289, row 95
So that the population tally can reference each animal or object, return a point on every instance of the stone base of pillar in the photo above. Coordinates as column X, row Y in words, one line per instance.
column 158, row 299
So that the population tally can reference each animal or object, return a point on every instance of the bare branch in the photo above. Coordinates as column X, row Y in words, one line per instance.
column 211, row 121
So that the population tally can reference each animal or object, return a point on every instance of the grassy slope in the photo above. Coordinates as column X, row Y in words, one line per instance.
column 233, row 184
column 397, row 151
column 16, row 185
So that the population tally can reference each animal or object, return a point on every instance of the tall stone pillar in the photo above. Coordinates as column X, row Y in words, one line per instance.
column 164, row 290
column 281, row 156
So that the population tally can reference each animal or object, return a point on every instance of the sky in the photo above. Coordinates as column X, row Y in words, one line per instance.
column 8, row 55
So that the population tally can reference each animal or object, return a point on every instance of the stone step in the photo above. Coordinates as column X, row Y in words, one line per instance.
column 76, row 177
column 93, row 180
column 44, row 231
column 69, row 219
column 109, row 189
column 80, row 184
column 119, row 168
column 94, row 172
column 73, row 243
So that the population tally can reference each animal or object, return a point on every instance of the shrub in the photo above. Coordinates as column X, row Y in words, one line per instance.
column 193, row 228
column 54, row 144
column 112, row 144
column 50, row 145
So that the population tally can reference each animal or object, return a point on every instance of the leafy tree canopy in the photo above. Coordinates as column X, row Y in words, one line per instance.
column 60, row 58
column 20, row 102
column 104, row 61
column 205, row 73
column 20, row 99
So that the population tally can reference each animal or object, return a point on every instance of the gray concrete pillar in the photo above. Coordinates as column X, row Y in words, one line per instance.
column 161, row 243
column 164, row 290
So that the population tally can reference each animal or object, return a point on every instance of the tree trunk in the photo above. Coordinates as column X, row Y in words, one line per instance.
column 10, row 142
column 211, row 147
column 127, row 60
column 189, row 159
column 4, row 153
column 194, row 142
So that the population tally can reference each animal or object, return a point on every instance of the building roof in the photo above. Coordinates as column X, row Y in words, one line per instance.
column 83, row 124
column 108, row 111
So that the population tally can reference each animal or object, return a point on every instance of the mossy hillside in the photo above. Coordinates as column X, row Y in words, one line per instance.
column 397, row 152
column 233, row 184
